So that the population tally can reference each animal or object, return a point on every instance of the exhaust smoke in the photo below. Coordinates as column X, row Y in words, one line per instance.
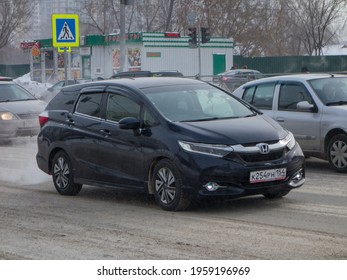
column 18, row 162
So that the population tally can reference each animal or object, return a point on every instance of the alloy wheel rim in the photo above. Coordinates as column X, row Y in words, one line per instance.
column 61, row 173
column 338, row 154
column 165, row 185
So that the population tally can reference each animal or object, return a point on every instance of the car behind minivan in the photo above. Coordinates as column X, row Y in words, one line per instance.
column 176, row 138
column 312, row 106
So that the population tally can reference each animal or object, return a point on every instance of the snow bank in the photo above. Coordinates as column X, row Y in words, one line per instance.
column 35, row 88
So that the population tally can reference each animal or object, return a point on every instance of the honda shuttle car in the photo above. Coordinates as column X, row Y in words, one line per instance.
column 176, row 138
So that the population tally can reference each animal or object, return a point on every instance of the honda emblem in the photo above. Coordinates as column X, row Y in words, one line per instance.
column 263, row 148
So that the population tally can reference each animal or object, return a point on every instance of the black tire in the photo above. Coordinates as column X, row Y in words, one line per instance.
column 62, row 175
column 337, row 153
column 276, row 194
column 167, row 184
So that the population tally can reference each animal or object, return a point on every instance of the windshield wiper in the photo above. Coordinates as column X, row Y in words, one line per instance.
column 202, row 120
column 341, row 102
column 251, row 115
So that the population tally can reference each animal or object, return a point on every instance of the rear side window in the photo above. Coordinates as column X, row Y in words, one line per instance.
column 260, row 96
column 90, row 104
column 119, row 107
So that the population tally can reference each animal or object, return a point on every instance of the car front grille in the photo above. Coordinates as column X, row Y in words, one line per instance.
column 275, row 155
column 250, row 153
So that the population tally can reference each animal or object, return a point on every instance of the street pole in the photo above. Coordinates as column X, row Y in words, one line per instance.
column 199, row 50
column 65, row 64
column 122, row 35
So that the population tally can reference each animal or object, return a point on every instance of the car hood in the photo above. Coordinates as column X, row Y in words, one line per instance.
column 255, row 129
column 23, row 107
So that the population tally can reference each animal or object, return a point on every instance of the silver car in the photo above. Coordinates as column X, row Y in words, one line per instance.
column 312, row 106
column 19, row 110
column 232, row 79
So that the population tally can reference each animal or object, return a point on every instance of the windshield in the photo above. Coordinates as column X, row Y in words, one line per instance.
column 331, row 91
column 13, row 92
column 196, row 103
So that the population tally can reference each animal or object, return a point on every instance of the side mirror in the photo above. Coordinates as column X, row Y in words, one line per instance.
column 129, row 123
column 304, row 106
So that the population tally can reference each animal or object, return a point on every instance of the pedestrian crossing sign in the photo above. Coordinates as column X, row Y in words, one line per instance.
column 65, row 30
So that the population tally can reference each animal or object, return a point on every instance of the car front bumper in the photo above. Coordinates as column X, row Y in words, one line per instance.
column 233, row 177
column 16, row 128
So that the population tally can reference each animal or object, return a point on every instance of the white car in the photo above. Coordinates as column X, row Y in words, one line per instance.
column 312, row 106
column 19, row 110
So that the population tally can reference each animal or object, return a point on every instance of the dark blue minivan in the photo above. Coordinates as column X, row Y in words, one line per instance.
column 175, row 138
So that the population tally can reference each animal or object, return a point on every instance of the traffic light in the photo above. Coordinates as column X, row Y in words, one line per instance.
column 205, row 35
column 193, row 37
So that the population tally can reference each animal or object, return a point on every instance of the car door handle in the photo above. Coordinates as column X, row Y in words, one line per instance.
column 105, row 132
column 280, row 120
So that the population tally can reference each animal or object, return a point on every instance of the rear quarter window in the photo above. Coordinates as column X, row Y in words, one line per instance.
column 64, row 100
column 260, row 96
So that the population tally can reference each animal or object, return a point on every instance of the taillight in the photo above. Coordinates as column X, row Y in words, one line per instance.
column 43, row 118
column 225, row 78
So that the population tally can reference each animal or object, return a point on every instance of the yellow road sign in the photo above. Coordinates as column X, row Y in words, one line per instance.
column 65, row 30
column 61, row 49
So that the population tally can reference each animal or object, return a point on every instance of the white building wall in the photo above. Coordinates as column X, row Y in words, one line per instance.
column 99, row 62
column 184, row 60
column 163, row 54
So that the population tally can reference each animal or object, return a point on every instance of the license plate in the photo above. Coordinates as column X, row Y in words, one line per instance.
column 268, row 175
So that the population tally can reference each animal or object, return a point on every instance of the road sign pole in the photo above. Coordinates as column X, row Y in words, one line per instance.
column 65, row 64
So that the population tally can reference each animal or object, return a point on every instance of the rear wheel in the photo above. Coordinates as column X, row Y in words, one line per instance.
column 168, row 190
column 62, row 175
column 337, row 153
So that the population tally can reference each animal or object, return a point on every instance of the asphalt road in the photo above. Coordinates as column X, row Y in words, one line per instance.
column 38, row 223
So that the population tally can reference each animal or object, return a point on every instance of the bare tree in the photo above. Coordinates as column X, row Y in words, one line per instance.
column 316, row 22
column 14, row 19
column 100, row 15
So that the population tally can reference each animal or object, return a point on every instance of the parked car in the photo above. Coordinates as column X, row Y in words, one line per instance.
column 232, row 79
column 176, row 138
column 19, row 110
column 54, row 89
column 138, row 74
column 312, row 106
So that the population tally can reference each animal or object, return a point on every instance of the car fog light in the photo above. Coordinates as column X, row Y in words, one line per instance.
column 212, row 186
column 298, row 179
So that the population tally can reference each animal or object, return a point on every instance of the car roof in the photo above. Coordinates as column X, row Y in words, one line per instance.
column 139, row 83
column 242, row 70
column 296, row 77
column 133, row 74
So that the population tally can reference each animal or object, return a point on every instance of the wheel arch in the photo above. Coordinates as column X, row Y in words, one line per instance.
column 330, row 135
column 150, row 188
column 51, row 156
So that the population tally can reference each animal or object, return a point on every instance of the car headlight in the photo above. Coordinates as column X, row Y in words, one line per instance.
column 7, row 116
column 289, row 141
column 206, row 149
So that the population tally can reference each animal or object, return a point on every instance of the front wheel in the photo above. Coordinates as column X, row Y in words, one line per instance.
column 168, row 190
column 62, row 175
column 337, row 153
